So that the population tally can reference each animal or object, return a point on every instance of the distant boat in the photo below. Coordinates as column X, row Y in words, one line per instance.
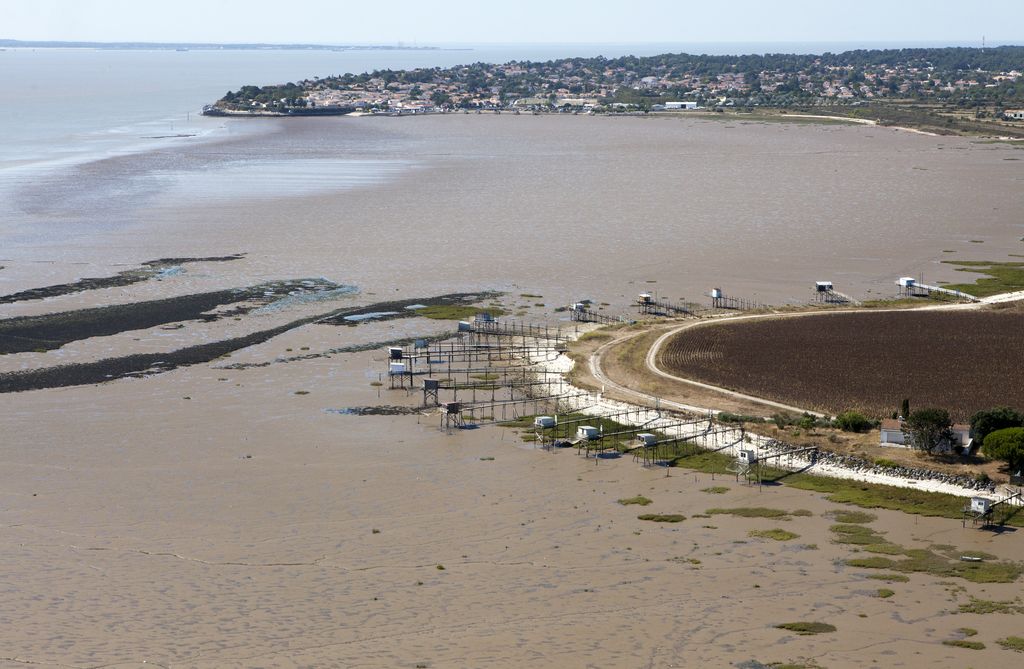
column 181, row 49
column 970, row 558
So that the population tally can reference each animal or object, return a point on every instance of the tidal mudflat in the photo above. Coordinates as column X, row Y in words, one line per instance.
column 236, row 511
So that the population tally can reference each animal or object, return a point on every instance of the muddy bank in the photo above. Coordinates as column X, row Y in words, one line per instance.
column 51, row 331
column 144, row 364
column 378, row 410
column 149, row 270
column 356, row 348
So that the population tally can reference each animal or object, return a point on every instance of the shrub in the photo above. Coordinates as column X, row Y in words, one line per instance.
column 853, row 421
column 782, row 420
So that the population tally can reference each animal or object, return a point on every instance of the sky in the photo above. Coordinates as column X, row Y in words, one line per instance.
column 428, row 22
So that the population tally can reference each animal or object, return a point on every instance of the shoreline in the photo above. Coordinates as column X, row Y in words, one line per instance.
column 876, row 475
column 774, row 114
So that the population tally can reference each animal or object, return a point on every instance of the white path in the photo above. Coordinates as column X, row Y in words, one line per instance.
column 595, row 404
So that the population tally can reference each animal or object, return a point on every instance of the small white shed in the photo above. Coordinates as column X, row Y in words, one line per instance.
column 980, row 505
column 396, row 368
column 747, row 456
column 647, row 439
column 544, row 422
column 588, row 432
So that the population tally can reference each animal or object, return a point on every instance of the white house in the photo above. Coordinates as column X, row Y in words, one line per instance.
column 680, row 105
column 892, row 434
column 1014, row 114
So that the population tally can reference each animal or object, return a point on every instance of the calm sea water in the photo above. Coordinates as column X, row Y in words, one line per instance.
column 576, row 206
column 62, row 104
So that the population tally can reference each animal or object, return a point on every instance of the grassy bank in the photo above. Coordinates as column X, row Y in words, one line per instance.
column 845, row 491
column 999, row 277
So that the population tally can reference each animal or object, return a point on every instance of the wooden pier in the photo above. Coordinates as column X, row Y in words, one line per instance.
column 649, row 304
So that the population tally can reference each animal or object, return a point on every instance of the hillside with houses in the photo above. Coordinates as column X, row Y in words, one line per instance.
column 984, row 83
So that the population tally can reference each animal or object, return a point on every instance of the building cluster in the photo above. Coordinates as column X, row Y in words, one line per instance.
column 635, row 82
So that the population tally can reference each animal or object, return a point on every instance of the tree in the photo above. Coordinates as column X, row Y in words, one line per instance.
column 905, row 407
column 985, row 422
column 928, row 429
column 1006, row 445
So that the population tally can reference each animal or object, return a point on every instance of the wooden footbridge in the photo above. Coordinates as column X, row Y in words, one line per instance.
column 505, row 411
column 750, row 464
column 652, row 305
column 825, row 292
column 911, row 287
column 582, row 313
column 485, row 327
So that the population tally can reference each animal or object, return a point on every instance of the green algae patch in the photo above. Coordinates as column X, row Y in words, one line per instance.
column 663, row 517
column 805, row 628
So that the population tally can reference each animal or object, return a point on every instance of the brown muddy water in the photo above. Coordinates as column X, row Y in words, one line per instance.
column 570, row 207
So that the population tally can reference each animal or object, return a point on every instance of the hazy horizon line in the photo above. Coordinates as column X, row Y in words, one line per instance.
column 988, row 43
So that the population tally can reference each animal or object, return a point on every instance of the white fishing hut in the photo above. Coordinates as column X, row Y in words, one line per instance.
column 980, row 505
column 544, row 422
column 647, row 439
column 588, row 432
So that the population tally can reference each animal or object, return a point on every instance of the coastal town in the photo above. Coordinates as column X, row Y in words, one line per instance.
column 986, row 82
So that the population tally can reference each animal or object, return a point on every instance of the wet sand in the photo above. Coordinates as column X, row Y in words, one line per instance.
column 213, row 516
column 235, row 528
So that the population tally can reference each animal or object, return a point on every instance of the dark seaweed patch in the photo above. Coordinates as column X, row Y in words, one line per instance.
column 382, row 410
column 51, row 331
column 148, row 270
column 144, row 364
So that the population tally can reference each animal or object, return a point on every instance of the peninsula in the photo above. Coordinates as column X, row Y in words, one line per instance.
column 944, row 90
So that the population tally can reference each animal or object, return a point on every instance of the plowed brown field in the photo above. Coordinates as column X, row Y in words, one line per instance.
column 962, row 361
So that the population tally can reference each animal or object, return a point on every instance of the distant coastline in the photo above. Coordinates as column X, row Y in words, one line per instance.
column 207, row 46
column 943, row 91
